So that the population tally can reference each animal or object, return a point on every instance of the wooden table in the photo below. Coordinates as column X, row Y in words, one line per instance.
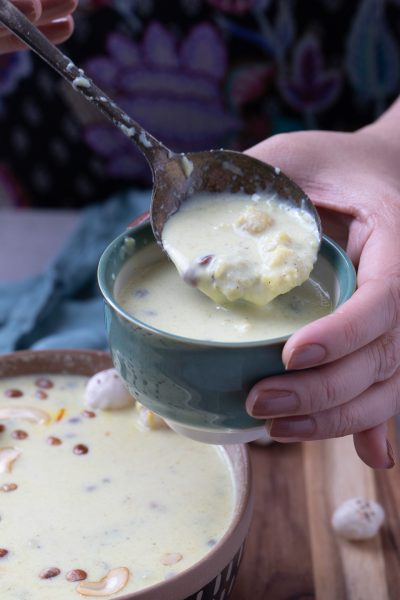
column 292, row 552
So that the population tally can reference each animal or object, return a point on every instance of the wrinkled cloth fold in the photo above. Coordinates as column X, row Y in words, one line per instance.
column 62, row 307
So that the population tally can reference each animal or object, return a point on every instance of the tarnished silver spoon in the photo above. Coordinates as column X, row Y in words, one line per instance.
column 176, row 177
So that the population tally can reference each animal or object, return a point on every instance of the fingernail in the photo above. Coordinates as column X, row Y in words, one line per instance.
column 306, row 356
column 391, row 461
column 270, row 403
column 293, row 427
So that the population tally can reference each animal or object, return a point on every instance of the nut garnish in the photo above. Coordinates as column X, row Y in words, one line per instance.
column 3, row 552
column 76, row 575
column 44, row 382
column 27, row 413
column 81, row 449
column 8, row 456
column 205, row 260
column 60, row 415
column 106, row 391
column 2, row 427
column 54, row 441
column 171, row 558
column 49, row 573
column 8, row 487
column 150, row 420
column 19, row 434
column 89, row 414
column 41, row 395
column 358, row 518
column 113, row 582
column 13, row 393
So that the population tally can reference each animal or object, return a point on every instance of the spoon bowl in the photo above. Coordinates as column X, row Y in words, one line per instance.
column 219, row 171
column 176, row 177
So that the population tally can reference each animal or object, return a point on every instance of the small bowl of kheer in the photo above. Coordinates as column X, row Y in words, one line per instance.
column 100, row 499
column 191, row 337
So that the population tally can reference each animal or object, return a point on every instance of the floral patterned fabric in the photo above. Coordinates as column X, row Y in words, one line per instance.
column 197, row 74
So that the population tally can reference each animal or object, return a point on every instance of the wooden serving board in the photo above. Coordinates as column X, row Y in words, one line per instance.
column 292, row 551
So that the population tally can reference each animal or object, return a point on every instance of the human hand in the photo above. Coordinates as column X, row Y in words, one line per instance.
column 52, row 17
column 346, row 376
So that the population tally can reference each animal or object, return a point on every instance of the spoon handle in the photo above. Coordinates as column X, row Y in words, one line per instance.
column 154, row 151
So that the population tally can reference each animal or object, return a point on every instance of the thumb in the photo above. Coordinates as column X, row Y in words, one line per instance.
column 300, row 155
column 373, row 447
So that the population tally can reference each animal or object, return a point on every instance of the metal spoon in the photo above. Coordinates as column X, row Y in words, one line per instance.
column 176, row 177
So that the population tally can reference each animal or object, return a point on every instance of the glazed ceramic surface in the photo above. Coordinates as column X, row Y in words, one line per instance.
column 199, row 387
column 213, row 575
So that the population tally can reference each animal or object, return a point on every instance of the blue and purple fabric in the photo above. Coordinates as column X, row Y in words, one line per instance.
column 198, row 74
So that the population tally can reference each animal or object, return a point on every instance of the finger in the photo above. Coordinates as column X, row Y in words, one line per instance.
column 43, row 12
column 379, row 403
column 287, row 151
column 316, row 390
column 56, row 9
column 368, row 314
column 57, row 32
column 302, row 156
column 32, row 9
column 373, row 447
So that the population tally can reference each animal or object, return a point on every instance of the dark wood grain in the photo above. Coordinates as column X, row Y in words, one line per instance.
column 277, row 560
column 292, row 551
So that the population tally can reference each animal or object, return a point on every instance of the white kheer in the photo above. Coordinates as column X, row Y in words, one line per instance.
column 150, row 289
column 241, row 247
column 85, row 494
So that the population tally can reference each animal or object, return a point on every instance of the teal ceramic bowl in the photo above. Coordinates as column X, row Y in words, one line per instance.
column 199, row 387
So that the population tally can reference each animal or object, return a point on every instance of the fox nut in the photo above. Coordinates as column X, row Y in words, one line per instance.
column 106, row 391
column 358, row 519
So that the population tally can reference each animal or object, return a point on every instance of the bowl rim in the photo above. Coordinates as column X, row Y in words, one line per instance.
column 327, row 244
column 196, row 576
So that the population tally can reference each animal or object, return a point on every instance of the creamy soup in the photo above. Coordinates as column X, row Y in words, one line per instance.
column 150, row 289
column 240, row 247
column 90, row 494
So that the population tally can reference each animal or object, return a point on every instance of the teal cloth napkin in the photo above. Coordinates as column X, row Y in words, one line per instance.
column 62, row 307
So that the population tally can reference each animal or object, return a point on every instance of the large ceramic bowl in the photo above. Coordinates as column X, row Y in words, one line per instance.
column 200, row 387
column 211, row 578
